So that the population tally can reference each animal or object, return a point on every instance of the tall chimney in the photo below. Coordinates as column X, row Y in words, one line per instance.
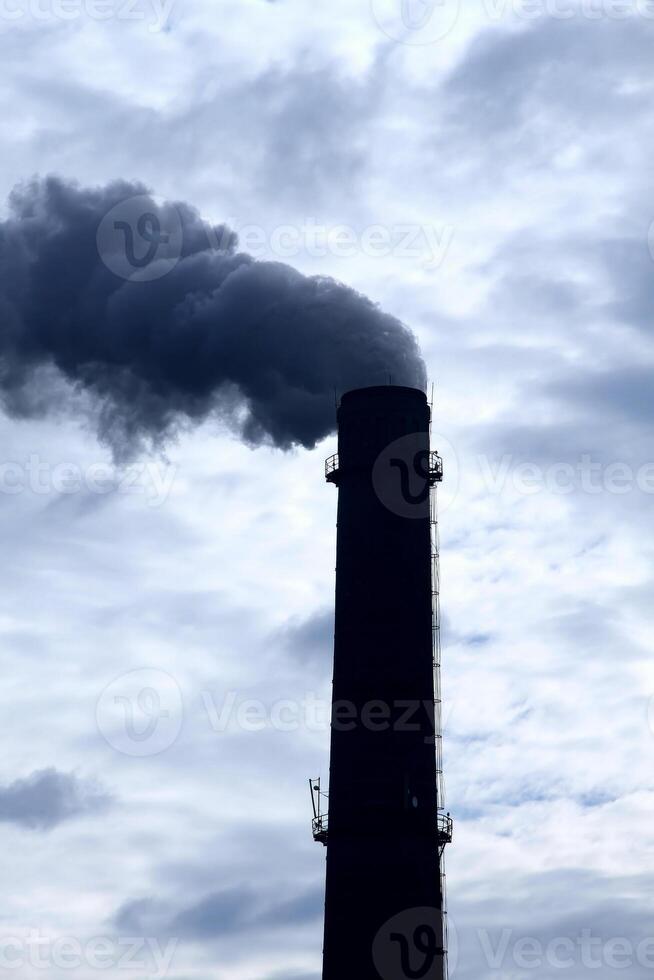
column 385, row 834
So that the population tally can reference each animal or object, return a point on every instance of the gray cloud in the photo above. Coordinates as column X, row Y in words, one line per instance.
column 215, row 915
column 48, row 797
column 629, row 264
column 508, row 78
column 625, row 392
column 222, row 913
column 310, row 640
column 294, row 976
column 570, row 916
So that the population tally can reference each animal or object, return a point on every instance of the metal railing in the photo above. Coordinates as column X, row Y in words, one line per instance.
column 331, row 466
column 320, row 827
column 435, row 468
column 444, row 828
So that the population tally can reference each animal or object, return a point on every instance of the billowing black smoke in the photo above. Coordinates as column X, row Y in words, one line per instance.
column 152, row 320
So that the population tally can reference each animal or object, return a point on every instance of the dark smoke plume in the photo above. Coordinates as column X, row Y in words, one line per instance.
column 151, row 317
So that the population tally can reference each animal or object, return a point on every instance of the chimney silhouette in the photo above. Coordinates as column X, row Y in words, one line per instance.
column 384, row 831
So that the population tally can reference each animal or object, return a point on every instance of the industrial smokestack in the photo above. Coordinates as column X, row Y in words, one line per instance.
column 384, row 835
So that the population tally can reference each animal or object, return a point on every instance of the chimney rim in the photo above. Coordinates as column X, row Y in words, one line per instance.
column 385, row 391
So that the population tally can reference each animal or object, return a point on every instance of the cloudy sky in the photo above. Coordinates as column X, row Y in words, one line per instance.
column 484, row 175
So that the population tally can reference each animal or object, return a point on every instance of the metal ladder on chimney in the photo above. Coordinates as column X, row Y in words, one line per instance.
column 443, row 819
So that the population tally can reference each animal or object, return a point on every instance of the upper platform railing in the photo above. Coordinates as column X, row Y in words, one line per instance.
column 332, row 468
column 444, row 828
